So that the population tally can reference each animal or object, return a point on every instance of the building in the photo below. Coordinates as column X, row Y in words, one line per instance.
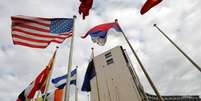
column 116, row 80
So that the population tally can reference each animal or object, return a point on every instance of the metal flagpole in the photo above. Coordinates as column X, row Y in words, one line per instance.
column 142, row 67
column 76, row 88
column 38, row 95
column 89, row 99
column 50, row 65
column 95, row 75
column 67, row 90
column 178, row 48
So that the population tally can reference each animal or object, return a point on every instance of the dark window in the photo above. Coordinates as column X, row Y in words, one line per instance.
column 109, row 61
column 108, row 55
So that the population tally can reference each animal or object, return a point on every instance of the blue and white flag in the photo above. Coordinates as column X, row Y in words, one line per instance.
column 60, row 82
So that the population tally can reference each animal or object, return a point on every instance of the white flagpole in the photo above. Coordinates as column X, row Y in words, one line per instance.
column 142, row 67
column 76, row 88
column 51, row 65
column 67, row 90
column 179, row 49
column 89, row 96
column 93, row 55
column 38, row 95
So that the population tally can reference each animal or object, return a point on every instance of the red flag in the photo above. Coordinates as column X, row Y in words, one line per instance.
column 148, row 5
column 44, row 79
column 85, row 6
column 38, row 83
column 58, row 95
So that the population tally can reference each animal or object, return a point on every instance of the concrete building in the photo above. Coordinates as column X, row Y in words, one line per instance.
column 116, row 80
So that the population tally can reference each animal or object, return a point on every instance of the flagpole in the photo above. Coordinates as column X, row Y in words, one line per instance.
column 76, row 88
column 89, row 99
column 142, row 67
column 67, row 90
column 96, row 75
column 51, row 63
column 38, row 95
column 178, row 48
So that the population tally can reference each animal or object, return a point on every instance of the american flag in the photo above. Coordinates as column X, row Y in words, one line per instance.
column 39, row 32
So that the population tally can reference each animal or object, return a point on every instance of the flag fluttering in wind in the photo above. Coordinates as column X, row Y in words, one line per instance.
column 39, row 32
column 85, row 6
column 22, row 96
column 60, row 82
column 90, row 73
column 35, row 85
column 99, row 33
column 148, row 5
column 56, row 95
column 39, row 84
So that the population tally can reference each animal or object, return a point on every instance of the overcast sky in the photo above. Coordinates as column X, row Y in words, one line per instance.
column 170, row 71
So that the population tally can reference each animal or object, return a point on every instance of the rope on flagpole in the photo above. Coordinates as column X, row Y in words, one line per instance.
column 141, row 65
column 178, row 48
column 67, row 90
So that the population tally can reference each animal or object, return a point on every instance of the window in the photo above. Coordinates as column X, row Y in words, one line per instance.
column 109, row 61
column 108, row 55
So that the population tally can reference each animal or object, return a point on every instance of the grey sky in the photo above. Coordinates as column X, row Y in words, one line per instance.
column 170, row 71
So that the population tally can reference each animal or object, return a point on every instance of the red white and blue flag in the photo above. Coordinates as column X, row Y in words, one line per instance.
column 99, row 33
column 39, row 32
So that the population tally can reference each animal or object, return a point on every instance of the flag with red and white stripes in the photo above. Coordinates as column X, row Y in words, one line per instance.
column 35, row 85
column 39, row 32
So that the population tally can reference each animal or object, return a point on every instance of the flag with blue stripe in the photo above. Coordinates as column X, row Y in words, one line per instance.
column 99, row 33
column 60, row 82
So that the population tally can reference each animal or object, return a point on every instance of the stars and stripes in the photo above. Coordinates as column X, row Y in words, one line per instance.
column 39, row 32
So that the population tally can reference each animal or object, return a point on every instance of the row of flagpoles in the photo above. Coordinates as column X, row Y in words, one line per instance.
column 36, row 33
column 27, row 31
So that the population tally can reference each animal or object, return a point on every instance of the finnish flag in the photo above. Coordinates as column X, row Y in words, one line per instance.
column 60, row 82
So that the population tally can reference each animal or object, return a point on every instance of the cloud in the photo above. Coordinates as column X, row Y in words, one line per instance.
column 170, row 71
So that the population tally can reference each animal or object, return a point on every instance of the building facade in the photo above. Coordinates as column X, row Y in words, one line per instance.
column 116, row 80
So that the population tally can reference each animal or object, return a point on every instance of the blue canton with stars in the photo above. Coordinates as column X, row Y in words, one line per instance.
column 61, row 25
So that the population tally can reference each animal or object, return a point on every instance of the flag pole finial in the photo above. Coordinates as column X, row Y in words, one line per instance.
column 116, row 20
column 154, row 25
column 74, row 16
column 92, row 50
column 57, row 47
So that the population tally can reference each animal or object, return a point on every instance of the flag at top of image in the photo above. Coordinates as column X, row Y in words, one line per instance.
column 39, row 32
column 99, row 33
column 148, row 5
